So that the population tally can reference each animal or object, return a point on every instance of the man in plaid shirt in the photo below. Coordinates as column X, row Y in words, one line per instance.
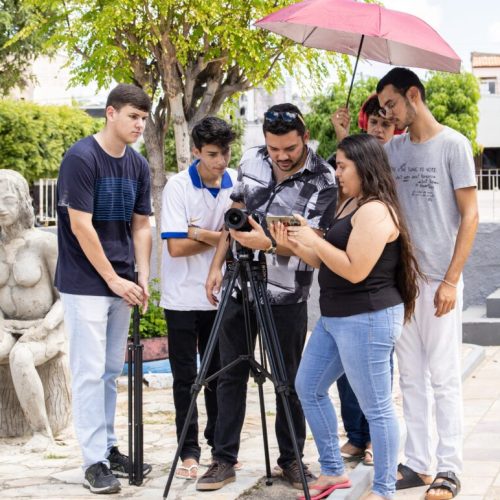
column 284, row 177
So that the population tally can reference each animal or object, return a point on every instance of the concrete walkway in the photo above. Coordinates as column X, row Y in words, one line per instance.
column 481, row 476
column 56, row 474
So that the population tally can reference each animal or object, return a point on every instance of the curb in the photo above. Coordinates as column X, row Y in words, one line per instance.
column 472, row 361
column 362, row 476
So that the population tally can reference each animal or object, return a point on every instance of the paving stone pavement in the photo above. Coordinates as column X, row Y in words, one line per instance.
column 56, row 473
column 481, row 476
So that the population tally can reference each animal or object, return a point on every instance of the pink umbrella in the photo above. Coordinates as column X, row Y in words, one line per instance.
column 366, row 30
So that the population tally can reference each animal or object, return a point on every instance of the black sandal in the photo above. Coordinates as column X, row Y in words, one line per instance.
column 410, row 479
column 450, row 483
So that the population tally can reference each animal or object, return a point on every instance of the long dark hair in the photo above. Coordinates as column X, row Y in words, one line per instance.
column 377, row 183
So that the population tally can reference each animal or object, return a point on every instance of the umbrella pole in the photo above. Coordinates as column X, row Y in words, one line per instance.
column 354, row 72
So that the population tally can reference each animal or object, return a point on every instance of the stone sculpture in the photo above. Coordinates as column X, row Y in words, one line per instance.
column 34, row 379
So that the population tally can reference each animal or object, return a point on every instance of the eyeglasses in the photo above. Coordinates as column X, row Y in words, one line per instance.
column 284, row 116
column 388, row 109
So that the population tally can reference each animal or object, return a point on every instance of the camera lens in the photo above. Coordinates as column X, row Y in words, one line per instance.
column 237, row 219
column 234, row 219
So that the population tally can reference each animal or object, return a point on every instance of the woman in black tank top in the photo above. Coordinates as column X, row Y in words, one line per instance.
column 367, row 280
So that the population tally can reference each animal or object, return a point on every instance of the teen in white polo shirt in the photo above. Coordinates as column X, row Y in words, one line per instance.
column 193, row 205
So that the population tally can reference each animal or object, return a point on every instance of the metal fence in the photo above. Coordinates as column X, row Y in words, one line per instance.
column 46, row 213
column 488, row 179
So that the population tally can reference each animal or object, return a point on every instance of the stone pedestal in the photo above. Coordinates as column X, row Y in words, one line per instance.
column 55, row 378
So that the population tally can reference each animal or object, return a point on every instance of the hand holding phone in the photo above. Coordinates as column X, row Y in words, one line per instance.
column 286, row 220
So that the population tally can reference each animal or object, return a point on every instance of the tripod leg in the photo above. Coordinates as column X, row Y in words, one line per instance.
column 130, row 413
column 138, row 465
column 204, row 366
column 269, row 480
column 276, row 362
column 258, row 376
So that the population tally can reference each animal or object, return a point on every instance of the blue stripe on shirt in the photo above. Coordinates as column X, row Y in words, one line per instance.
column 114, row 199
column 164, row 236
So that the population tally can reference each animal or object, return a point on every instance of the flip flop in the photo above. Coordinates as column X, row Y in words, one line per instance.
column 368, row 458
column 189, row 475
column 348, row 457
column 410, row 479
column 324, row 491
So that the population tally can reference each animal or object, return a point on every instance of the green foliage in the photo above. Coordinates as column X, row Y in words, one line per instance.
column 237, row 145
column 17, row 53
column 452, row 99
column 34, row 138
column 152, row 323
column 115, row 40
column 191, row 55
column 323, row 106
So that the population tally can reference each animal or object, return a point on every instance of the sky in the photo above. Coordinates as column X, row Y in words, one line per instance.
column 467, row 26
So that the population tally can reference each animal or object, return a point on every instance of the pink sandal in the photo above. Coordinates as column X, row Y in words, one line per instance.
column 324, row 491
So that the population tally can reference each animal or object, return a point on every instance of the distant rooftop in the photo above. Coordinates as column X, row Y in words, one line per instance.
column 485, row 60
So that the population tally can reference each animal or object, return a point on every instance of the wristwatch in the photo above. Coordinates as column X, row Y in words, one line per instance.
column 272, row 247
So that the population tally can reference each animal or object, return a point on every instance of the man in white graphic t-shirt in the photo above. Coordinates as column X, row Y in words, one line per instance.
column 434, row 171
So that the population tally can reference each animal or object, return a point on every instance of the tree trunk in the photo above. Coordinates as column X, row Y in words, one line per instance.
column 154, row 139
column 56, row 385
column 181, row 132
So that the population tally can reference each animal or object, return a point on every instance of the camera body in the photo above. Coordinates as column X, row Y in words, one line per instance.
column 237, row 219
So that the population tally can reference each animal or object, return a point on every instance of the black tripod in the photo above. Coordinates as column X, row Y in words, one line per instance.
column 251, row 274
column 135, row 424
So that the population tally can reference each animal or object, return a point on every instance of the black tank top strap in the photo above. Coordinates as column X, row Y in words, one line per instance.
column 346, row 204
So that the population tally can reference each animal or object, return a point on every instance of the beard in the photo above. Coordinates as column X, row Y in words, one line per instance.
column 293, row 165
column 409, row 117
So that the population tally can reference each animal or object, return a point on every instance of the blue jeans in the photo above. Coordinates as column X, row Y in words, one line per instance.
column 355, row 423
column 359, row 346
column 97, row 328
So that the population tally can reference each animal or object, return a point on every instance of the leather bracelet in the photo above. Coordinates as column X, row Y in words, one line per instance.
column 449, row 284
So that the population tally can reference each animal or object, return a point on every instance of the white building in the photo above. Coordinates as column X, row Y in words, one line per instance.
column 51, row 86
column 486, row 67
column 255, row 102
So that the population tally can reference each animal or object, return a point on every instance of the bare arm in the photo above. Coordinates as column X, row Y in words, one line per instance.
column 256, row 239
column 142, row 238
column 82, row 228
column 198, row 240
column 214, row 278
column 469, row 219
column 341, row 121
column 372, row 229
column 445, row 297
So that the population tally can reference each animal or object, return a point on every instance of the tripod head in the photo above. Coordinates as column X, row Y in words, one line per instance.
column 244, row 254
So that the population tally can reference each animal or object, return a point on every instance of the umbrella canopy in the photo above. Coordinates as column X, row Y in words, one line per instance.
column 366, row 30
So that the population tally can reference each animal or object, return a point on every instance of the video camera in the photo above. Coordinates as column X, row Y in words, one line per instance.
column 237, row 219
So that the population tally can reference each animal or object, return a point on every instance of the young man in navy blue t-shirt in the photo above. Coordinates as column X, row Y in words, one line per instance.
column 103, row 207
